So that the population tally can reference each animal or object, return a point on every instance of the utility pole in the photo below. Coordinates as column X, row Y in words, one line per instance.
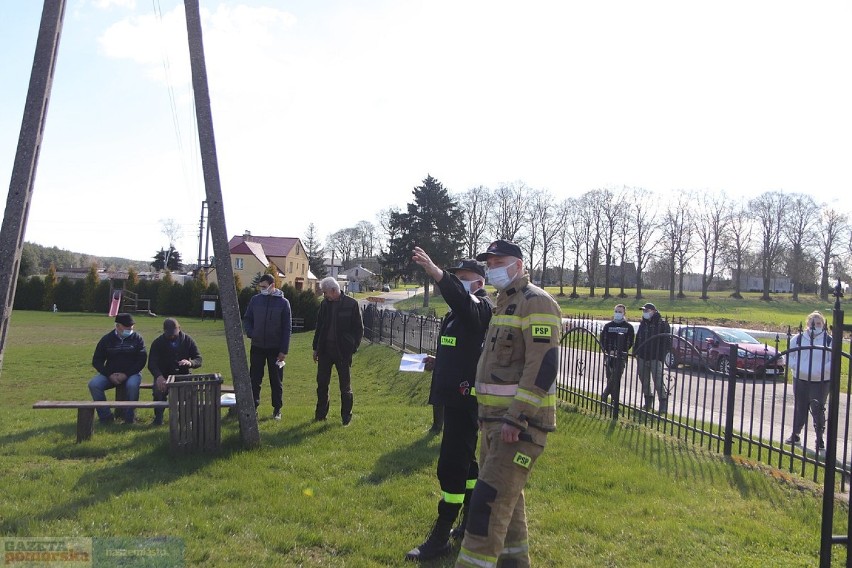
column 26, row 158
column 210, row 165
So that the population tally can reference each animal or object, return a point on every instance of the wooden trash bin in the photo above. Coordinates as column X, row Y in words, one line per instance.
column 194, row 420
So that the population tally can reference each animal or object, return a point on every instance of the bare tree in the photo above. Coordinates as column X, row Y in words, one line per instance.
column 802, row 214
column 531, row 230
column 833, row 225
column 676, row 233
column 624, row 237
column 366, row 239
column 644, row 216
column 474, row 206
column 343, row 243
column 510, row 211
column 591, row 204
column 388, row 231
column 171, row 229
column 567, row 214
column 578, row 228
column 741, row 227
column 711, row 229
column 768, row 212
column 611, row 212
column 549, row 219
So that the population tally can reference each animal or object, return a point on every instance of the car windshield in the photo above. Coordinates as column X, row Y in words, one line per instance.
column 735, row 336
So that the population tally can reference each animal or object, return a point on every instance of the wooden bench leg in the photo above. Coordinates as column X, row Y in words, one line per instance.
column 85, row 423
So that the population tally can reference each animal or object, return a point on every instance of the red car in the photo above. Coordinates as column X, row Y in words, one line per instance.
column 709, row 346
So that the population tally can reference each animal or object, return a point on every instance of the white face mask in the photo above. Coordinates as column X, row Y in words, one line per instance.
column 618, row 316
column 266, row 291
column 499, row 277
column 466, row 284
column 817, row 329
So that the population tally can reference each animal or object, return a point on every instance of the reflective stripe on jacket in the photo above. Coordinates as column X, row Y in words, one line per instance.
column 516, row 375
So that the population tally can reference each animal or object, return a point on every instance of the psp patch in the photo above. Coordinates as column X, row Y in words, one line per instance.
column 522, row 460
column 448, row 340
column 541, row 333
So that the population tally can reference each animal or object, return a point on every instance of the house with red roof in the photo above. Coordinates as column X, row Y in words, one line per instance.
column 251, row 255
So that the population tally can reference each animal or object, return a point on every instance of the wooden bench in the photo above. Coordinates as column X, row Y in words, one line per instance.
column 225, row 388
column 86, row 411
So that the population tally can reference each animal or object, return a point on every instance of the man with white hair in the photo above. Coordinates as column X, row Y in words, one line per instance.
column 336, row 339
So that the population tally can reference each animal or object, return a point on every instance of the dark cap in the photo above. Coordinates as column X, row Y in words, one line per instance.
column 501, row 248
column 125, row 319
column 170, row 327
column 268, row 278
column 649, row 306
column 468, row 264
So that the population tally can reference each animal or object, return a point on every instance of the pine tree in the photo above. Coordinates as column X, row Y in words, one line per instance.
column 50, row 288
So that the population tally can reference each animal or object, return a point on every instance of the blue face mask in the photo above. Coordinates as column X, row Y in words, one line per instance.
column 647, row 315
column 125, row 333
column 618, row 316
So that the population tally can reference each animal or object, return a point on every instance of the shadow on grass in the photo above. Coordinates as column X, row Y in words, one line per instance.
column 403, row 461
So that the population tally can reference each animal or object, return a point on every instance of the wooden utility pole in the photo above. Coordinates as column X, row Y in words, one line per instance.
column 216, row 219
column 26, row 158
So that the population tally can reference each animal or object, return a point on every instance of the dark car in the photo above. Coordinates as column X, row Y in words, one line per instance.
column 710, row 346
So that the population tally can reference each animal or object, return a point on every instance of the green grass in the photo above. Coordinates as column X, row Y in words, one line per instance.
column 719, row 309
column 603, row 494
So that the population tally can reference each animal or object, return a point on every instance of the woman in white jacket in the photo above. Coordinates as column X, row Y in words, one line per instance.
column 810, row 362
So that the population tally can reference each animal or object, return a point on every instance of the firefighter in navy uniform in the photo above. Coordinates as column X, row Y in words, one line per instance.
column 516, row 391
column 616, row 340
column 454, row 371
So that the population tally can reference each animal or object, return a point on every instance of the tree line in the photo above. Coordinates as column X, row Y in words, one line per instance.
column 611, row 235
column 167, row 297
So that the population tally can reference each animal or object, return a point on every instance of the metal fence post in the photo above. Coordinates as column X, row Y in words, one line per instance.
column 826, row 538
column 729, row 407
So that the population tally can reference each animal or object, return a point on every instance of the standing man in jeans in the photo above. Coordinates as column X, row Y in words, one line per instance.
column 336, row 339
column 653, row 342
column 119, row 359
column 268, row 323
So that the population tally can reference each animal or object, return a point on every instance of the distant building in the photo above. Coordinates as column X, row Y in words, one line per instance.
column 360, row 279
column 252, row 255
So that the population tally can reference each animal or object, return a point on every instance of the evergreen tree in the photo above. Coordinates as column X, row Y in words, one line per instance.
column 435, row 223
column 90, row 288
column 50, row 282
column 315, row 252
column 167, row 259
column 132, row 279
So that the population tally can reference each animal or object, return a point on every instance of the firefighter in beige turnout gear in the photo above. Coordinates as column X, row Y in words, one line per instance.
column 516, row 389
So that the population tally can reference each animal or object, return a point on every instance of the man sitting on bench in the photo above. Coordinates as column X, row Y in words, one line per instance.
column 119, row 358
column 173, row 353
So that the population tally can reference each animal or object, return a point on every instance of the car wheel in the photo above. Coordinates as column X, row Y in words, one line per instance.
column 671, row 360
column 724, row 366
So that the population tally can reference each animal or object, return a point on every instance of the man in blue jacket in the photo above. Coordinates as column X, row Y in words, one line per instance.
column 268, row 323
column 119, row 359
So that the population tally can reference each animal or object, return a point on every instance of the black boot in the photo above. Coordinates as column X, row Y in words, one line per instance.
column 438, row 542
column 458, row 532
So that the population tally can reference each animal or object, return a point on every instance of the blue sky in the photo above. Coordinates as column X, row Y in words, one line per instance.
column 326, row 111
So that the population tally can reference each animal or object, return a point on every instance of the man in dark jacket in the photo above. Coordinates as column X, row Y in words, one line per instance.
column 653, row 342
column 616, row 340
column 336, row 339
column 173, row 353
column 268, row 323
column 454, row 373
column 119, row 358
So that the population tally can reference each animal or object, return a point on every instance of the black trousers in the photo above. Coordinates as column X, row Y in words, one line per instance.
column 328, row 358
column 258, row 358
column 457, row 461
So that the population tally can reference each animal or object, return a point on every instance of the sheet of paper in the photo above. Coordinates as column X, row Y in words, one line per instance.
column 415, row 362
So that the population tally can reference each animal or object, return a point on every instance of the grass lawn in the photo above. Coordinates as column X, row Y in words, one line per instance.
column 603, row 494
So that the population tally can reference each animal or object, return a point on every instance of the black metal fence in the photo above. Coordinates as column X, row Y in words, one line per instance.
column 724, row 396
